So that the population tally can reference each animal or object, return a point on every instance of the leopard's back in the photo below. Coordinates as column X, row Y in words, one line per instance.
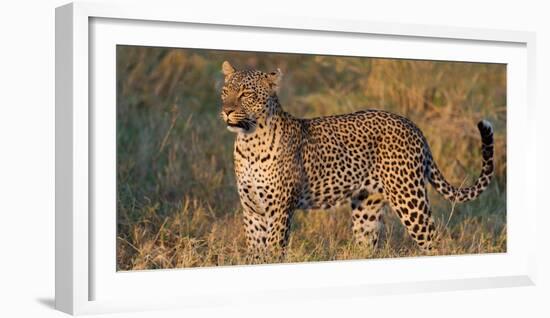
column 346, row 154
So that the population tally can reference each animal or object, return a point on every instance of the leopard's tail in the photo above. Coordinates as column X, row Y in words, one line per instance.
column 463, row 194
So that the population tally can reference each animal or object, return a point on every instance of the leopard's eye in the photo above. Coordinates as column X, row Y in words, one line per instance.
column 247, row 93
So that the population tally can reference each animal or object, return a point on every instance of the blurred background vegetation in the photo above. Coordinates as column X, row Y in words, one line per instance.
column 177, row 204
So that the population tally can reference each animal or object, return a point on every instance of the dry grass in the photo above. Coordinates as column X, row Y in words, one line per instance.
column 177, row 203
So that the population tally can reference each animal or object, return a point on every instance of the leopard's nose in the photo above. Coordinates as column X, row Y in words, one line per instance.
column 225, row 114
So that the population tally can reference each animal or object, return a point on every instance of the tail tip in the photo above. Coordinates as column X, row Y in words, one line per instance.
column 485, row 127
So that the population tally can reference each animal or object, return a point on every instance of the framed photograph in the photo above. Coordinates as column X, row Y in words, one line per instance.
column 204, row 159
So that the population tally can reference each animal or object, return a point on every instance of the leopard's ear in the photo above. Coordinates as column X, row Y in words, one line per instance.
column 274, row 79
column 227, row 69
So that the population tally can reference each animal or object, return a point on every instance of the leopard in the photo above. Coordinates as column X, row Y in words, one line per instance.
column 368, row 159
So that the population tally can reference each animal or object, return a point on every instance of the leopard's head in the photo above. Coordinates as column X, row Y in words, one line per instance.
column 246, row 96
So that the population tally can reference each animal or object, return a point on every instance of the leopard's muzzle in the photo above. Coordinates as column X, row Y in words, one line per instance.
column 237, row 122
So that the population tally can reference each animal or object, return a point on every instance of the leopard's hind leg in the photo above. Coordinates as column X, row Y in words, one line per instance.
column 367, row 218
column 412, row 205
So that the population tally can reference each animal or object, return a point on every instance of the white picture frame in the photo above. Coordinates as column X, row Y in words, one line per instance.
column 85, row 280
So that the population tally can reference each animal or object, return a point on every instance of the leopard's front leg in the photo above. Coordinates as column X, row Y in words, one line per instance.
column 267, row 234
column 255, row 227
column 278, row 230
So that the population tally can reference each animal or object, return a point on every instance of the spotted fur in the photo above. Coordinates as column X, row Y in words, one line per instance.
column 368, row 159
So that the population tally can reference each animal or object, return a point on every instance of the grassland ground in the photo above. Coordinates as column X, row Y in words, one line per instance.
column 177, row 204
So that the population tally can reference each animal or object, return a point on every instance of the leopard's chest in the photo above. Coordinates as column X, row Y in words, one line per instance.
column 256, row 172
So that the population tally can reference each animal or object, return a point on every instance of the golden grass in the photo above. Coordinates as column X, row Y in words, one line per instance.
column 177, row 204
